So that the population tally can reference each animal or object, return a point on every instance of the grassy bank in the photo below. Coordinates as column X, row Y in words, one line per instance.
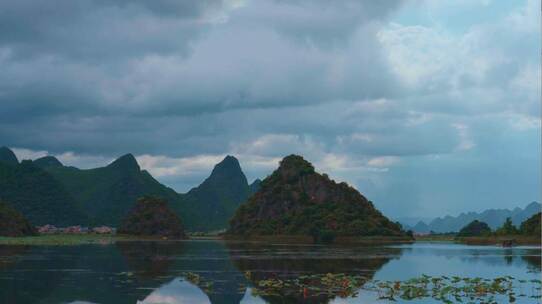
column 82, row 239
column 481, row 240
column 435, row 238
column 498, row 240
column 305, row 239
column 69, row 239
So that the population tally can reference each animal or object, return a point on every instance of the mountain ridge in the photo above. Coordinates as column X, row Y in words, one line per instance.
column 105, row 194
column 47, row 161
column 221, row 193
column 8, row 157
column 36, row 194
column 493, row 217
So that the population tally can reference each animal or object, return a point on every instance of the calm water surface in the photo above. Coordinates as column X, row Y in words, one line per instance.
column 163, row 272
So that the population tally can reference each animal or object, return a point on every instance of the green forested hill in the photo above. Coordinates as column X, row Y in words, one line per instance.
column 8, row 157
column 47, row 192
column 296, row 200
column 47, row 161
column 210, row 205
column 38, row 196
column 107, row 193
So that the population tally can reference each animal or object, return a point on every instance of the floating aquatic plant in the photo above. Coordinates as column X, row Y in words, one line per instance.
column 441, row 288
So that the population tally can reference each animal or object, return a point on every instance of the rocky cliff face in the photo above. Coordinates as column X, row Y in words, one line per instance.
column 152, row 217
column 296, row 200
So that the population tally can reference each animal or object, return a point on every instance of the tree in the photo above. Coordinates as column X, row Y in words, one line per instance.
column 151, row 216
column 475, row 228
column 507, row 228
column 531, row 226
column 13, row 223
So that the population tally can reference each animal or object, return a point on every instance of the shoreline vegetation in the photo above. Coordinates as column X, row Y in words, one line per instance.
column 305, row 239
column 101, row 239
column 498, row 240
column 481, row 240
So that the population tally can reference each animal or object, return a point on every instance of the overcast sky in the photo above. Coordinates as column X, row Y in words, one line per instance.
column 428, row 108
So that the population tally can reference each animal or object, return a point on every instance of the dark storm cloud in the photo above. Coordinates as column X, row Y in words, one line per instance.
column 94, row 31
column 364, row 89
column 110, row 60
column 321, row 23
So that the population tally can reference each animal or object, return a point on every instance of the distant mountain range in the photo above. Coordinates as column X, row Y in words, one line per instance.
column 36, row 193
column 493, row 217
column 47, row 192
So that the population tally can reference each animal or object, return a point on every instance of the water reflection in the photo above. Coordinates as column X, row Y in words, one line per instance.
column 263, row 264
column 176, row 292
column 10, row 254
column 219, row 272
column 149, row 260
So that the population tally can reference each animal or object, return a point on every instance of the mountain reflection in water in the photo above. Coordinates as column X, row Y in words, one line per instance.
column 220, row 272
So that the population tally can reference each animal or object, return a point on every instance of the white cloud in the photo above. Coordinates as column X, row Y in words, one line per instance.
column 23, row 153
column 430, row 58
column 279, row 145
column 524, row 122
column 264, row 79
column 67, row 158
column 526, row 84
column 526, row 18
column 465, row 141
column 160, row 166
column 383, row 161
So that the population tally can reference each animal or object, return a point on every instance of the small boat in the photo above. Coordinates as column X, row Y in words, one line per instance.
column 508, row 243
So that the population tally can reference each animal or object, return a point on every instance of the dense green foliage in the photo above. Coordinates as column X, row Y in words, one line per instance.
column 38, row 196
column 475, row 228
column 151, row 216
column 47, row 192
column 295, row 200
column 324, row 236
column 507, row 228
column 531, row 226
column 107, row 193
column 13, row 223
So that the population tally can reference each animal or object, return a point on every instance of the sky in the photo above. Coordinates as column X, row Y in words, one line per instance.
column 428, row 108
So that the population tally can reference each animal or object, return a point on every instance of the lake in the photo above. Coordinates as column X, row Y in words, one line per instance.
column 234, row 272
